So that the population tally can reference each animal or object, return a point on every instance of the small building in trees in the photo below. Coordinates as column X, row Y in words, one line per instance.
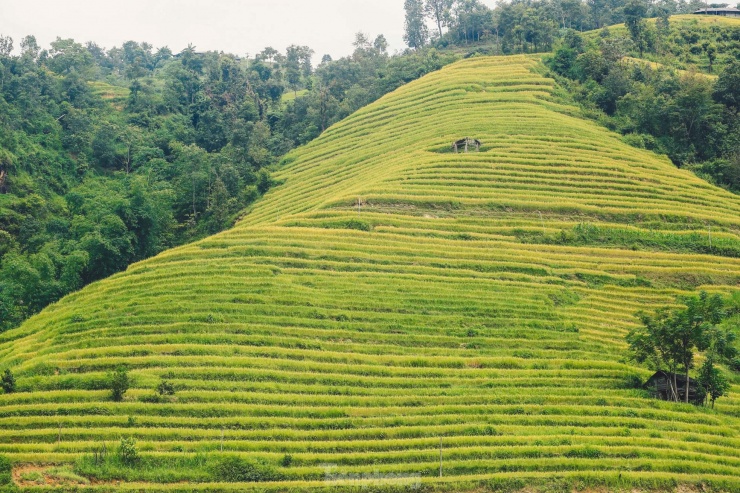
column 672, row 387
column 723, row 11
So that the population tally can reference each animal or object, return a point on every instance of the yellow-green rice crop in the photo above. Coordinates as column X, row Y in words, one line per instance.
column 390, row 293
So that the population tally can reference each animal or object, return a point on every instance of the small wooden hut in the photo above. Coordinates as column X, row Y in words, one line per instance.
column 723, row 11
column 466, row 143
column 672, row 386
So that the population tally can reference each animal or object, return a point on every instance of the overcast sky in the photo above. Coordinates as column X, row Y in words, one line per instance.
column 235, row 26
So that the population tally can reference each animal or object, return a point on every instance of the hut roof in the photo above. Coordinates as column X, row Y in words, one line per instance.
column 660, row 374
column 718, row 10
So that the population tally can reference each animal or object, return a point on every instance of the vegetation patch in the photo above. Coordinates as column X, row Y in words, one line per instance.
column 587, row 234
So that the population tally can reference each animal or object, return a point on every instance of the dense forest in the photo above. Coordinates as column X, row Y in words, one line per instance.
column 109, row 156
column 690, row 116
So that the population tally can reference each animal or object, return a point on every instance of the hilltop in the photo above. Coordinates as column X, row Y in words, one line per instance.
column 389, row 293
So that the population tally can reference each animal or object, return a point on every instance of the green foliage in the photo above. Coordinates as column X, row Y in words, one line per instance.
column 635, row 238
column 684, row 114
column 727, row 88
column 119, row 383
column 7, row 382
column 236, row 469
column 416, row 33
column 634, row 14
column 165, row 388
column 669, row 340
column 287, row 460
column 6, row 468
column 128, row 453
column 712, row 381
column 633, row 381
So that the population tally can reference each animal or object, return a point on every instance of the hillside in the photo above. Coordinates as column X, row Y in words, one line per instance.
column 390, row 293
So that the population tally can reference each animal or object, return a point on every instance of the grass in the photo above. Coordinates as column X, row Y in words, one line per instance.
column 390, row 293
column 289, row 96
column 115, row 95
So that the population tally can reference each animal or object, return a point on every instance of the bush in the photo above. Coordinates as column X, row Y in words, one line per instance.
column 633, row 381
column 264, row 181
column 5, row 469
column 128, row 453
column 119, row 383
column 235, row 469
column 165, row 388
column 287, row 460
column 7, row 381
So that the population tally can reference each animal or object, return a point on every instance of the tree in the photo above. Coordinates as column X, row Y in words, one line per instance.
column 66, row 57
column 30, row 47
column 653, row 343
column 6, row 46
column 165, row 388
column 119, row 383
column 7, row 382
column 690, row 327
column 634, row 13
column 694, row 116
column 727, row 87
column 720, row 349
column 297, row 65
column 711, row 50
column 439, row 12
column 128, row 453
column 473, row 19
column 415, row 29
column 381, row 44
column 712, row 382
column 669, row 340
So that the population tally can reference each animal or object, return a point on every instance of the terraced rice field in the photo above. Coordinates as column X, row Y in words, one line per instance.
column 391, row 293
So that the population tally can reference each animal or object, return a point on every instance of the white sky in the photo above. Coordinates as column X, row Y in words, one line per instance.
column 234, row 26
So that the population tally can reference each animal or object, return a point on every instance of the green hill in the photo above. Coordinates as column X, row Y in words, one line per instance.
column 390, row 293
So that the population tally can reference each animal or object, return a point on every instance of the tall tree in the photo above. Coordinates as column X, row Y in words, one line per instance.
column 439, row 12
column 653, row 343
column 634, row 13
column 727, row 87
column 416, row 33
column 669, row 339
column 6, row 45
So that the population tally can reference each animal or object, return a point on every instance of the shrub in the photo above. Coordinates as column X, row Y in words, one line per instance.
column 165, row 388
column 633, row 381
column 235, row 469
column 264, row 181
column 127, row 452
column 5, row 469
column 358, row 225
column 287, row 460
column 119, row 383
column 7, row 381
